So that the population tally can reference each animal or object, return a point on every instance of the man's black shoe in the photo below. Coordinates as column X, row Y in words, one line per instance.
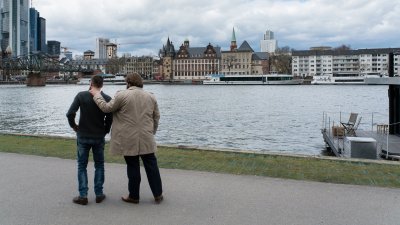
column 100, row 198
column 80, row 200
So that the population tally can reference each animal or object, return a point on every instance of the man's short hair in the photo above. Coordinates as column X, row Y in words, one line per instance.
column 97, row 81
column 134, row 79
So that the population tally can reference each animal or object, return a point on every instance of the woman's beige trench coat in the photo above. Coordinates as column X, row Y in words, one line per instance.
column 135, row 121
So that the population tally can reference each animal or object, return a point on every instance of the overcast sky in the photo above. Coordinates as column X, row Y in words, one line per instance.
column 141, row 27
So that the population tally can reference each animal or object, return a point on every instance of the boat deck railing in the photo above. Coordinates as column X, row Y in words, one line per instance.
column 370, row 120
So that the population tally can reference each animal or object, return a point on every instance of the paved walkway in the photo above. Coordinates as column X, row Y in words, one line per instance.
column 39, row 190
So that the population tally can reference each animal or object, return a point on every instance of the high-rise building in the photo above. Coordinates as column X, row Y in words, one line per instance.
column 37, row 32
column 54, row 48
column 268, row 44
column 33, row 30
column 42, row 35
column 14, row 26
column 111, row 49
column 101, row 48
column 269, row 35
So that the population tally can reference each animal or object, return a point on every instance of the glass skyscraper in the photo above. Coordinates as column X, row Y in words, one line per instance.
column 14, row 26
column 33, row 34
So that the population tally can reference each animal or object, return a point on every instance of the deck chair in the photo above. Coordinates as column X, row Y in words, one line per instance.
column 352, row 130
column 350, row 124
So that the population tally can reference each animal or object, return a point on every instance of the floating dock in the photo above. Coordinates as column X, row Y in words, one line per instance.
column 387, row 145
column 372, row 140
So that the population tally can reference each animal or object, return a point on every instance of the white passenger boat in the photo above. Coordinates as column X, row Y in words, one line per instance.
column 267, row 79
column 118, row 79
column 350, row 78
column 338, row 78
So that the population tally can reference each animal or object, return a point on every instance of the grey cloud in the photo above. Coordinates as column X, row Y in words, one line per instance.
column 298, row 24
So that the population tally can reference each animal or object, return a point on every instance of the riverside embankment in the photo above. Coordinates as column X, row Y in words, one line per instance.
column 322, row 169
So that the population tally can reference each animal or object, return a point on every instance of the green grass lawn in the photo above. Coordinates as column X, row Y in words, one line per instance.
column 383, row 174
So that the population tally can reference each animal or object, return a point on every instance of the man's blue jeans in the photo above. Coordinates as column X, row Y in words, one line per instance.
column 83, row 148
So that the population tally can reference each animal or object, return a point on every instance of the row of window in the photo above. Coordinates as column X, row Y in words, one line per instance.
column 238, row 73
column 340, row 70
column 206, row 55
column 235, row 66
column 194, row 74
column 235, row 60
column 198, row 61
column 383, row 57
column 374, row 55
column 345, row 65
column 195, row 67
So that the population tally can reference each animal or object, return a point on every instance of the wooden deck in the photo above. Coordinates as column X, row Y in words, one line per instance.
column 388, row 146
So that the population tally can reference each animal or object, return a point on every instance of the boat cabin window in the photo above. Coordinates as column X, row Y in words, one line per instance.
column 244, row 78
column 277, row 78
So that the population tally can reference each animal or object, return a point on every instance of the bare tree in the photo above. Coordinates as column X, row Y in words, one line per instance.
column 281, row 60
column 115, row 65
column 343, row 47
column 281, row 63
column 283, row 50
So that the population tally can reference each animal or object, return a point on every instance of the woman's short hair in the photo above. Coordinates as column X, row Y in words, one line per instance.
column 134, row 79
column 97, row 81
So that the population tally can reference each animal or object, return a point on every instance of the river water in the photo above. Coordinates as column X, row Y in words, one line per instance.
column 262, row 118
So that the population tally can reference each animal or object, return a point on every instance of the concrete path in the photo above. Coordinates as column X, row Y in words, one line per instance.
column 39, row 190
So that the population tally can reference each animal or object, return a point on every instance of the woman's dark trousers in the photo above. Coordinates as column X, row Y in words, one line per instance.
column 152, row 171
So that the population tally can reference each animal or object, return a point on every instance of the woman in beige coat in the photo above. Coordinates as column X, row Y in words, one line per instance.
column 135, row 122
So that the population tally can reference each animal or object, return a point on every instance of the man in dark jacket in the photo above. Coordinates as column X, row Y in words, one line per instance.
column 93, row 126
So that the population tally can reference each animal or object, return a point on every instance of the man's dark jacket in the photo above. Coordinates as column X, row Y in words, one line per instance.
column 93, row 123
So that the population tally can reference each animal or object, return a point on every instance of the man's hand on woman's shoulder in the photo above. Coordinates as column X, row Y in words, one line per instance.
column 94, row 90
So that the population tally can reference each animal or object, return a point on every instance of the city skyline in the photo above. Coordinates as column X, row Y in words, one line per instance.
column 142, row 27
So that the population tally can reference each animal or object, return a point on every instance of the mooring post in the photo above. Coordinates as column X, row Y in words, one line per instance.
column 394, row 99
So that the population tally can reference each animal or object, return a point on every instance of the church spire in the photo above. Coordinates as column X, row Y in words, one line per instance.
column 233, row 41
column 233, row 35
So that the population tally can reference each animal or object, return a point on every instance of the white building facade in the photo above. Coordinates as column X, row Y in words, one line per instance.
column 317, row 62
column 377, row 62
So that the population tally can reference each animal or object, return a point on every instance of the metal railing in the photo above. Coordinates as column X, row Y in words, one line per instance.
column 369, row 119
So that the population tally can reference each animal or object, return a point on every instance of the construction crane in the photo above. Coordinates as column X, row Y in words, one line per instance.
column 65, row 49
